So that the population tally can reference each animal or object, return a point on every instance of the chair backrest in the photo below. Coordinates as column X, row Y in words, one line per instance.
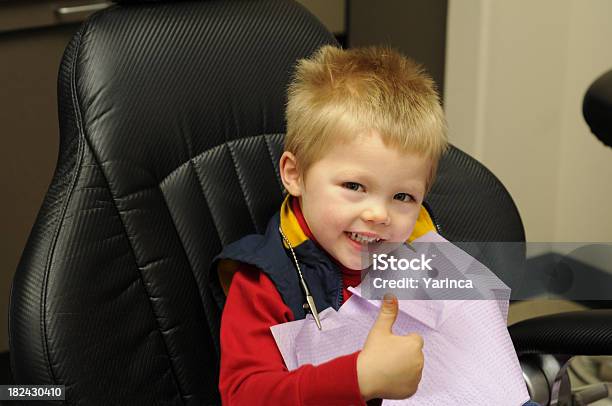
column 171, row 124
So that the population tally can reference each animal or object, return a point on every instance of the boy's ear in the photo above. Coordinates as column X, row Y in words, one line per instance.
column 290, row 175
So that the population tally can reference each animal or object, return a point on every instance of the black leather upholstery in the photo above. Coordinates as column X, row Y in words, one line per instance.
column 579, row 332
column 171, row 122
column 469, row 203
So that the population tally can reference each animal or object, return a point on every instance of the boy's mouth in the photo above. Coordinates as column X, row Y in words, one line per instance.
column 362, row 239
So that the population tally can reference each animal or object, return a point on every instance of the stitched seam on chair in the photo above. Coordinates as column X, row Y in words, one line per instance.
column 241, row 182
column 95, row 157
column 139, row 268
column 73, row 181
column 197, row 173
column 192, row 167
column 276, row 173
column 195, row 158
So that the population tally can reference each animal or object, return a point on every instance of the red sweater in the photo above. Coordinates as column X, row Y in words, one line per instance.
column 252, row 368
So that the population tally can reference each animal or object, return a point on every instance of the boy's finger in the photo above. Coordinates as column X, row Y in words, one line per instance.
column 388, row 313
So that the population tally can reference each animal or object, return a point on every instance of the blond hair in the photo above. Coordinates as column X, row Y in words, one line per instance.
column 339, row 94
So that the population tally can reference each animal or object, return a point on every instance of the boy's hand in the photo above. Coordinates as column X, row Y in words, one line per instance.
column 389, row 366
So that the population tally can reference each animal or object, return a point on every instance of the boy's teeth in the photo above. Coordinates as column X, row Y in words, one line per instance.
column 362, row 239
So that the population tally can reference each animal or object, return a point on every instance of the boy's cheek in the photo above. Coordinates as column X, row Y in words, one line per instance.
column 405, row 228
column 412, row 223
column 331, row 219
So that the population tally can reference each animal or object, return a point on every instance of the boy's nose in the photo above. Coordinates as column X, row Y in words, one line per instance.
column 376, row 214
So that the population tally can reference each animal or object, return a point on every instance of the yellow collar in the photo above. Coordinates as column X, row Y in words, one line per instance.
column 290, row 225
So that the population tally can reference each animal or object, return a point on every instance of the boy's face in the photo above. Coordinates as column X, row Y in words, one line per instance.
column 361, row 187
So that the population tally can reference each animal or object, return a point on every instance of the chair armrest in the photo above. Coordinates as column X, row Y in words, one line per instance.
column 585, row 332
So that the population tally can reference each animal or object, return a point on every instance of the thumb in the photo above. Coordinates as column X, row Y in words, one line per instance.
column 388, row 313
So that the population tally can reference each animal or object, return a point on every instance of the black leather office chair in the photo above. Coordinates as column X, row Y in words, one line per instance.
column 171, row 124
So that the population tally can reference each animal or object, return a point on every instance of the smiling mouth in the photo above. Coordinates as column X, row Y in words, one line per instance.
column 361, row 239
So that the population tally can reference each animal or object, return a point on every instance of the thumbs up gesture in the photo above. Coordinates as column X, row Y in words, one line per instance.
column 389, row 366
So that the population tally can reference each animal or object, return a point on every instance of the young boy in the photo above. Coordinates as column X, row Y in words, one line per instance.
column 365, row 131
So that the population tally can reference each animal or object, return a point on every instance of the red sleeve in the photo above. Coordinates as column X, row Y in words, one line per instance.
column 252, row 368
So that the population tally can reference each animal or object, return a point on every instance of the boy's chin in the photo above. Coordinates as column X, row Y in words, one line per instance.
column 354, row 265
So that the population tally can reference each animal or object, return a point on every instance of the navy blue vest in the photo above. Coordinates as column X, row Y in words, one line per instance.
column 266, row 252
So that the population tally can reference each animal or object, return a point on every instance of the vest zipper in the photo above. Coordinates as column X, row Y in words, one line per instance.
column 433, row 218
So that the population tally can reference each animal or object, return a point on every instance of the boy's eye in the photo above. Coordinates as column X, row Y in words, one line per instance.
column 405, row 197
column 352, row 185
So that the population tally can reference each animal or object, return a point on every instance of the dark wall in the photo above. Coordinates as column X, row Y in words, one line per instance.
column 415, row 27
